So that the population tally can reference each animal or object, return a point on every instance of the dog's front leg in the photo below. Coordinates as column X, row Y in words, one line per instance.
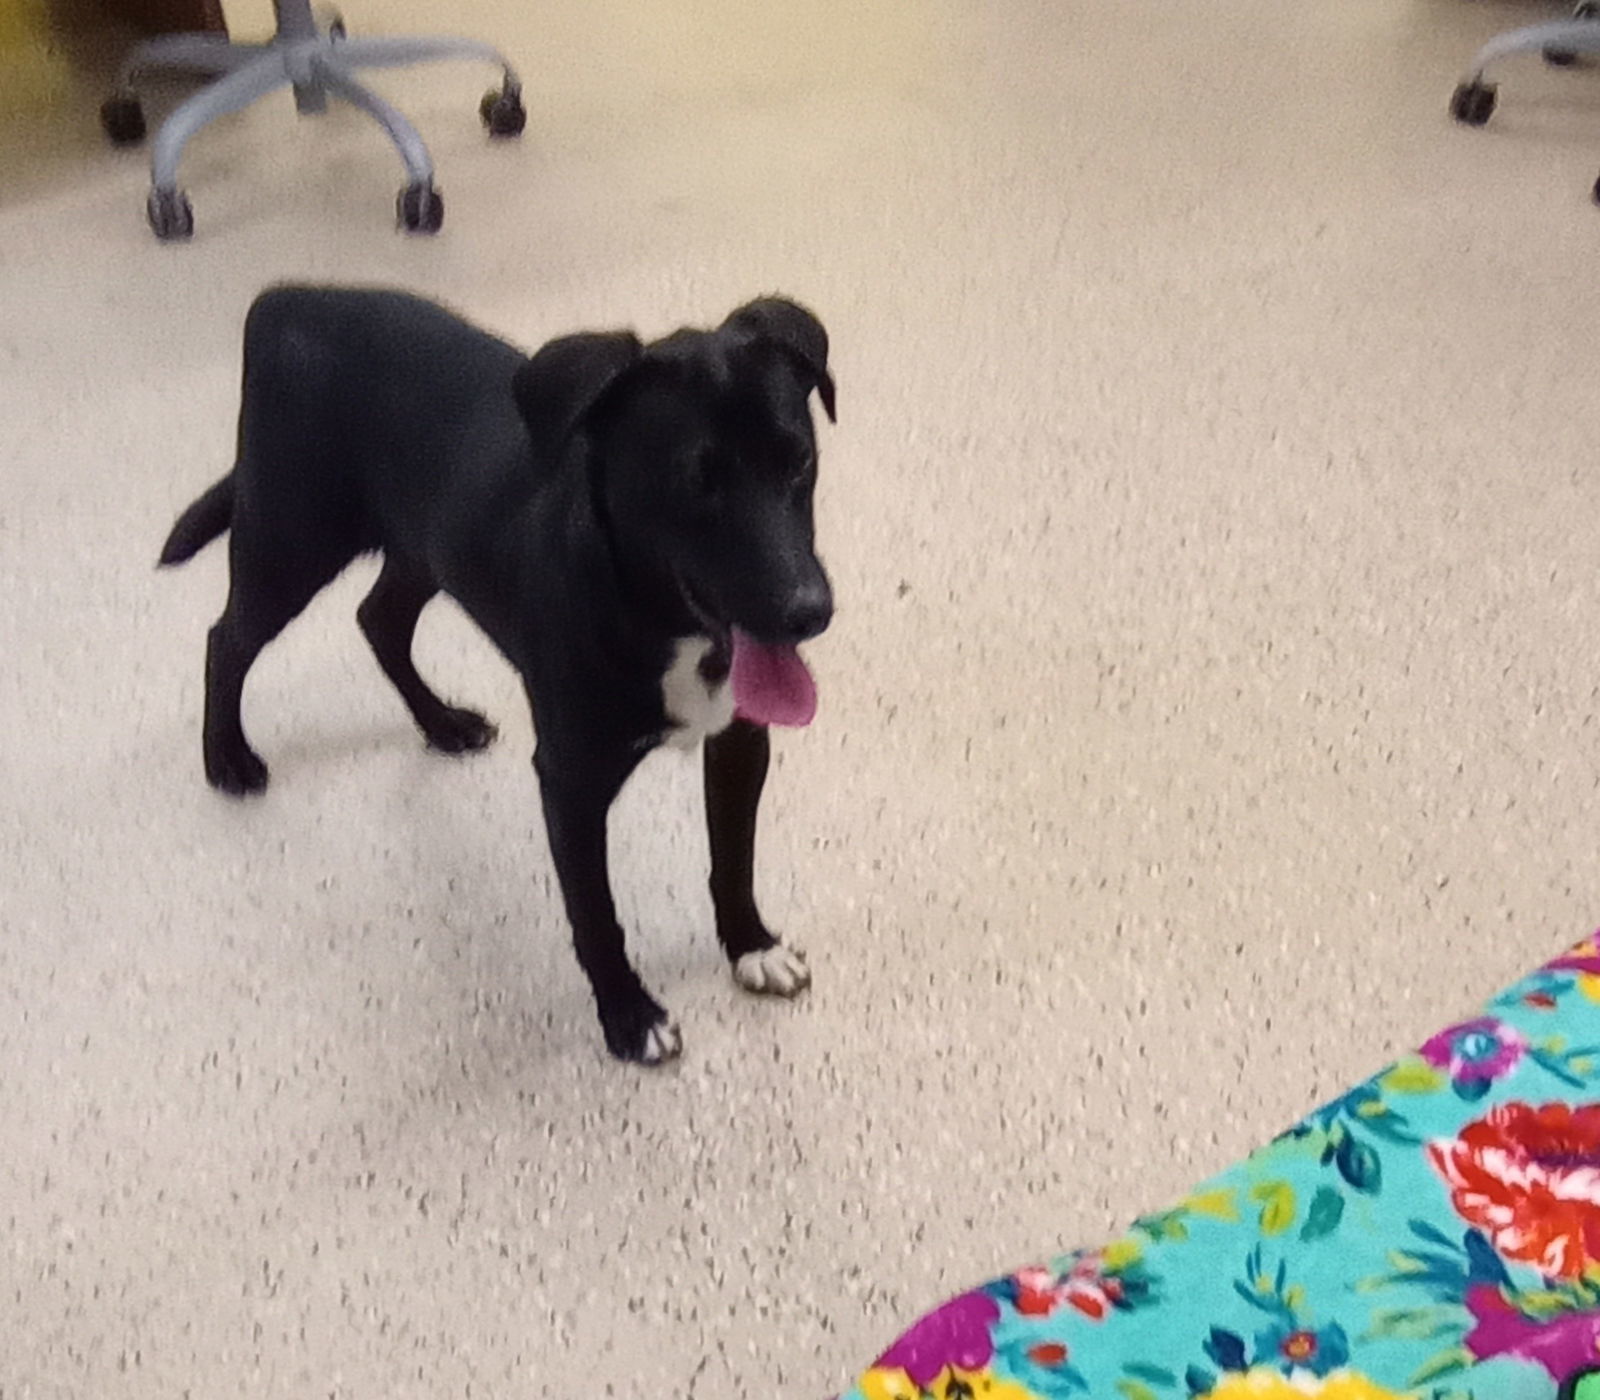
column 576, row 801
column 735, row 771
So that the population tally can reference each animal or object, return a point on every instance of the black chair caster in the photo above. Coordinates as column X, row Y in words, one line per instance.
column 502, row 112
column 122, row 119
column 1472, row 103
column 171, row 215
column 421, row 209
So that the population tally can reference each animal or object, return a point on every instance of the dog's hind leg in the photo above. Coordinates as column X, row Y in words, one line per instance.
column 736, row 762
column 232, row 766
column 388, row 615
column 265, row 593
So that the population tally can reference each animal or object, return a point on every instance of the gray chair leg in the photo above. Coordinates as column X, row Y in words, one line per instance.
column 402, row 52
column 333, row 75
column 206, row 55
column 420, row 206
column 1562, row 36
column 1473, row 101
column 229, row 94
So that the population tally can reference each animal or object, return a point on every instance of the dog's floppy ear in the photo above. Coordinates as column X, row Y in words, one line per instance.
column 564, row 379
column 794, row 330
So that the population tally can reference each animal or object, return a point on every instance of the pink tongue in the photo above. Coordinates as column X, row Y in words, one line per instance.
column 771, row 685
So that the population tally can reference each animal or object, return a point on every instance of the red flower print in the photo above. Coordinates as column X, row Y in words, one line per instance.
column 1091, row 1289
column 1089, row 1286
column 1038, row 1294
column 1048, row 1354
column 1299, row 1347
column 1529, row 1178
column 1089, row 1300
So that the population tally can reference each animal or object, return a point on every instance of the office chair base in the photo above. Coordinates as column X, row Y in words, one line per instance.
column 313, row 55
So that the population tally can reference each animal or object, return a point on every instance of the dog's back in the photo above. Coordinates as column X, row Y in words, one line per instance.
column 367, row 418
column 372, row 415
column 368, row 364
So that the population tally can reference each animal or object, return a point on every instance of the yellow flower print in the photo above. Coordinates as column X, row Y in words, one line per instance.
column 888, row 1385
column 1273, row 1385
column 952, row 1383
column 955, row 1384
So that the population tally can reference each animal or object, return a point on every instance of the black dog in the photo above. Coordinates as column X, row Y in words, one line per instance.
column 630, row 524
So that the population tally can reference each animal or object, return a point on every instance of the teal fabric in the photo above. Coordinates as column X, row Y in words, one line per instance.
column 1434, row 1233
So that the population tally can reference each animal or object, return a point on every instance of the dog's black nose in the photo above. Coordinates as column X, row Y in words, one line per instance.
column 809, row 612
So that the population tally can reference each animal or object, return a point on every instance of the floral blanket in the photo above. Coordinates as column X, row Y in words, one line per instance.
column 1433, row 1234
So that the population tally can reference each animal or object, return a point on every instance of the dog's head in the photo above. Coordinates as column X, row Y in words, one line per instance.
column 703, row 459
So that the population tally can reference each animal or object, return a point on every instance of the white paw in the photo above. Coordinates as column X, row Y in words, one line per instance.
column 775, row 971
column 661, row 1043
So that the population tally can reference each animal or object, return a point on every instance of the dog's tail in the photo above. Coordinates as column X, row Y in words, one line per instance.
column 200, row 524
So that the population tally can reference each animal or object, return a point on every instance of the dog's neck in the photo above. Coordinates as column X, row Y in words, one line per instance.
column 646, row 611
column 648, row 584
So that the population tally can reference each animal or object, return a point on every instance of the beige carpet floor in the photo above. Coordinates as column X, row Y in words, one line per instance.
column 1211, row 710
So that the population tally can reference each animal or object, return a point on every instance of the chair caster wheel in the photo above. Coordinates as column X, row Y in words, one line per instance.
column 122, row 119
column 1472, row 103
column 171, row 215
column 421, row 209
column 502, row 112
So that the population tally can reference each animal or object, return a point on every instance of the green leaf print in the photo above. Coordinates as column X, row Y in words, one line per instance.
column 1358, row 1164
column 1327, row 1210
column 1413, row 1076
column 1278, row 1206
column 1447, row 1363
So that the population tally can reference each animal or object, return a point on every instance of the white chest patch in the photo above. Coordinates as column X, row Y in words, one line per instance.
column 697, row 708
